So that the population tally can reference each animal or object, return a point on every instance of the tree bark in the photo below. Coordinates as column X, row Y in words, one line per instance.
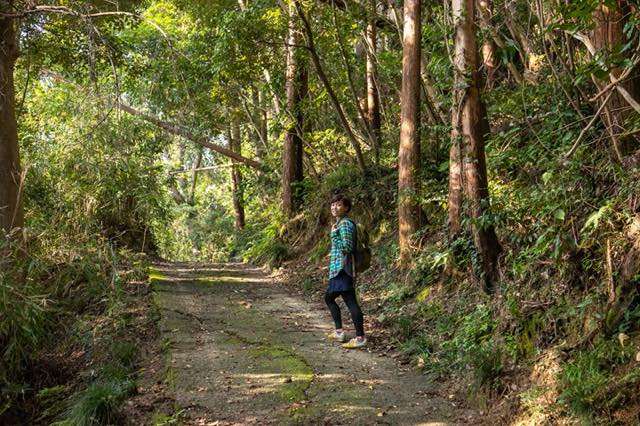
column 409, row 154
column 487, row 23
column 488, row 46
column 454, row 199
column 296, row 87
column 11, row 211
column 194, row 177
column 469, row 128
column 608, row 35
column 373, row 98
column 235, row 144
column 431, row 93
column 327, row 85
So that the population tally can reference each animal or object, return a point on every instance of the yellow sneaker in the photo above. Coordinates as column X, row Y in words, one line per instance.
column 340, row 337
column 355, row 343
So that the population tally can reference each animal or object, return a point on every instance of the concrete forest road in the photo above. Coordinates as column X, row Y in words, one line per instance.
column 245, row 351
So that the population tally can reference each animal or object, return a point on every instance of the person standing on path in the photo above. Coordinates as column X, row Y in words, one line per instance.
column 342, row 273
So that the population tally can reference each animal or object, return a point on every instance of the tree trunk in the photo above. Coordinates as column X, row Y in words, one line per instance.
column 518, row 34
column 255, row 116
column 358, row 101
column 373, row 99
column 608, row 35
column 454, row 201
column 235, row 144
column 409, row 155
column 486, row 21
column 469, row 128
column 327, row 85
column 11, row 213
column 432, row 99
column 194, row 177
column 296, row 86
column 488, row 46
column 261, row 114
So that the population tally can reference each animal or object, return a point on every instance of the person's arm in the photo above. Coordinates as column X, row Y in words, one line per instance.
column 342, row 237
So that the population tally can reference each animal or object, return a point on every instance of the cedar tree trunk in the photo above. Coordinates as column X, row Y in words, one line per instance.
column 469, row 128
column 409, row 154
column 373, row 99
column 235, row 144
column 11, row 213
column 296, row 86
column 608, row 36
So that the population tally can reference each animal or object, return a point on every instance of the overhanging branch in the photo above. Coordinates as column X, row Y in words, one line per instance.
column 171, row 128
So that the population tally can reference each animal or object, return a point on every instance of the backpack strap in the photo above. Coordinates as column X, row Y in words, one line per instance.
column 353, row 252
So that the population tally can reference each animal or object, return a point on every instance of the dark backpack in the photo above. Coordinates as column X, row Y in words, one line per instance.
column 362, row 251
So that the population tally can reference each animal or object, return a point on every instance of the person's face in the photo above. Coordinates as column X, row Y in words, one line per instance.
column 338, row 209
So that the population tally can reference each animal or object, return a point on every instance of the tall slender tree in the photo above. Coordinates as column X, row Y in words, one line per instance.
column 409, row 154
column 11, row 213
column 469, row 129
column 337, row 106
column 235, row 144
column 488, row 46
column 373, row 98
column 296, row 87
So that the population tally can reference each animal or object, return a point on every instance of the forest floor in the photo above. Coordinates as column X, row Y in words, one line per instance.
column 238, row 347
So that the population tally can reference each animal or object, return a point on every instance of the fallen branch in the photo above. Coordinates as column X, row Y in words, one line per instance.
column 170, row 127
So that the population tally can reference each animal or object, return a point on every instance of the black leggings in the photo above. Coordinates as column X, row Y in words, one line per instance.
column 349, row 298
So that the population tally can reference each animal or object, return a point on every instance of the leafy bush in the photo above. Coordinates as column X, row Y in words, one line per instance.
column 268, row 247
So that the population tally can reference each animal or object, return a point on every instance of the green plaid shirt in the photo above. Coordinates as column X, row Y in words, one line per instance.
column 341, row 243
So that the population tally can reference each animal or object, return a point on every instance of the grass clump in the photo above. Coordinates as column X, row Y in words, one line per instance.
column 599, row 380
column 99, row 403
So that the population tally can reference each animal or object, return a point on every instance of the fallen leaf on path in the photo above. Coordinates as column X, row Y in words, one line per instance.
column 622, row 338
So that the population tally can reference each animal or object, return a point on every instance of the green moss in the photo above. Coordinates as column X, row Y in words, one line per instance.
column 220, row 279
column 424, row 293
column 156, row 275
column 295, row 371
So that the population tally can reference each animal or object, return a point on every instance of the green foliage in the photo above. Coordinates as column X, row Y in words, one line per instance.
column 267, row 246
column 24, row 317
column 98, row 405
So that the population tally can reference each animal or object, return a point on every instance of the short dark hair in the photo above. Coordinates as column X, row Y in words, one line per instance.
column 343, row 199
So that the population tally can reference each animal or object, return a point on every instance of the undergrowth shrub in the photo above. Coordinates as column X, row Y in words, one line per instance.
column 598, row 380
column 264, row 242
column 24, row 312
column 100, row 401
